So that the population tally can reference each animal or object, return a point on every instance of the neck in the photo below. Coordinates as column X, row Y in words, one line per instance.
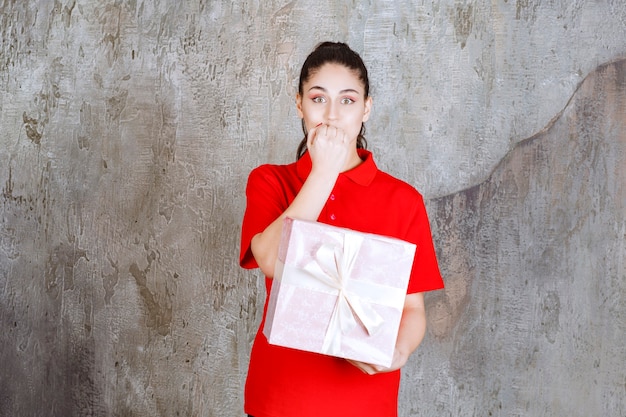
column 353, row 162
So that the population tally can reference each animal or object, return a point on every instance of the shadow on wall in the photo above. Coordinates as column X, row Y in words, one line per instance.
column 534, row 257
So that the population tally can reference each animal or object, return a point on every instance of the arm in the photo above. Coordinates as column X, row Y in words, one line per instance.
column 307, row 205
column 410, row 335
column 329, row 152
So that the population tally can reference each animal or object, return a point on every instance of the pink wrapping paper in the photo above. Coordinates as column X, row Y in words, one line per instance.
column 338, row 292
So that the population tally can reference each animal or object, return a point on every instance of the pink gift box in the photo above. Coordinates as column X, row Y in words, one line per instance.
column 338, row 292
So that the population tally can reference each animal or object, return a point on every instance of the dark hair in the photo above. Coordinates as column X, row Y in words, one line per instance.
column 333, row 53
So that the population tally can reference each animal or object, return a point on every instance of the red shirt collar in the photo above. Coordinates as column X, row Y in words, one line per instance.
column 363, row 174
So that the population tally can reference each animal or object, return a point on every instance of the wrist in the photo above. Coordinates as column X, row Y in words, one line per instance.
column 323, row 176
column 402, row 354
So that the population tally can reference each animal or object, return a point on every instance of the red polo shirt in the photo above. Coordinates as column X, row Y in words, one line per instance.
column 285, row 382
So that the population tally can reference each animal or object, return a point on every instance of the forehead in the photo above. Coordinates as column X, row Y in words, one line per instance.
column 334, row 76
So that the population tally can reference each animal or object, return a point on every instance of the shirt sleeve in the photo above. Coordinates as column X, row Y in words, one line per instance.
column 264, row 203
column 425, row 275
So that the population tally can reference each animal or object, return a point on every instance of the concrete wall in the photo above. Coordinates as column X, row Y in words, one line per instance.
column 128, row 128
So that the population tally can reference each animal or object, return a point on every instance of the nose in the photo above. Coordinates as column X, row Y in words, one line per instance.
column 332, row 110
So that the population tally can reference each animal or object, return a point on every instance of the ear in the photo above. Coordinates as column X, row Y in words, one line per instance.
column 299, row 105
column 368, row 108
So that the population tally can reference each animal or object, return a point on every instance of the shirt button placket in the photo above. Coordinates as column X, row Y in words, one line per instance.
column 332, row 216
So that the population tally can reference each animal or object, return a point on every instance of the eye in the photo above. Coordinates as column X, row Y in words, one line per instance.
column 318, row 99
column 347, row 100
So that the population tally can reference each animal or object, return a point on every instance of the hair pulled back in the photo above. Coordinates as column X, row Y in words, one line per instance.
column 333, row 53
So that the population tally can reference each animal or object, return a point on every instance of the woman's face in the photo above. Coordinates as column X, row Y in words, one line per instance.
column 334, row 95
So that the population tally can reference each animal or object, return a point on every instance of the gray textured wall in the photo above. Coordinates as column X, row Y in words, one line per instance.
column 128, row 128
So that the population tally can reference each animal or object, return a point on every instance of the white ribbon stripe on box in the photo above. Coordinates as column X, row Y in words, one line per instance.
column 330, row 272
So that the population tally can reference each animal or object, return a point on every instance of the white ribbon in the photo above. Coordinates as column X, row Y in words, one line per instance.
column 330, row 272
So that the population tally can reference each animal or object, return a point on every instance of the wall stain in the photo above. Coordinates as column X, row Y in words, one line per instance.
column 110, row 280
column 116, row 104
column 30, row 125
column 549, row 315
column 66, row 15
column 86, row 126
column 463, row 23
column 526, row 10
column 44, row 102
column 7, row 191
column 25, row 207
column 60, row 266
column 159, row 315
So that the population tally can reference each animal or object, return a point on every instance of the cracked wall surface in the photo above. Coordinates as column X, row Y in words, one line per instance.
column 127, row 131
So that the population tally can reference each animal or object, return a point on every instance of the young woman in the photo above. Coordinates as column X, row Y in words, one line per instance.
column 333, row 181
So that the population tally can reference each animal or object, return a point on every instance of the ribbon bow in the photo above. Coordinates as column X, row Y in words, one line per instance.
column 332, row 268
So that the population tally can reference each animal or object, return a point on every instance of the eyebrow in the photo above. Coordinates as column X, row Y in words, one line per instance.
column 347, row 90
